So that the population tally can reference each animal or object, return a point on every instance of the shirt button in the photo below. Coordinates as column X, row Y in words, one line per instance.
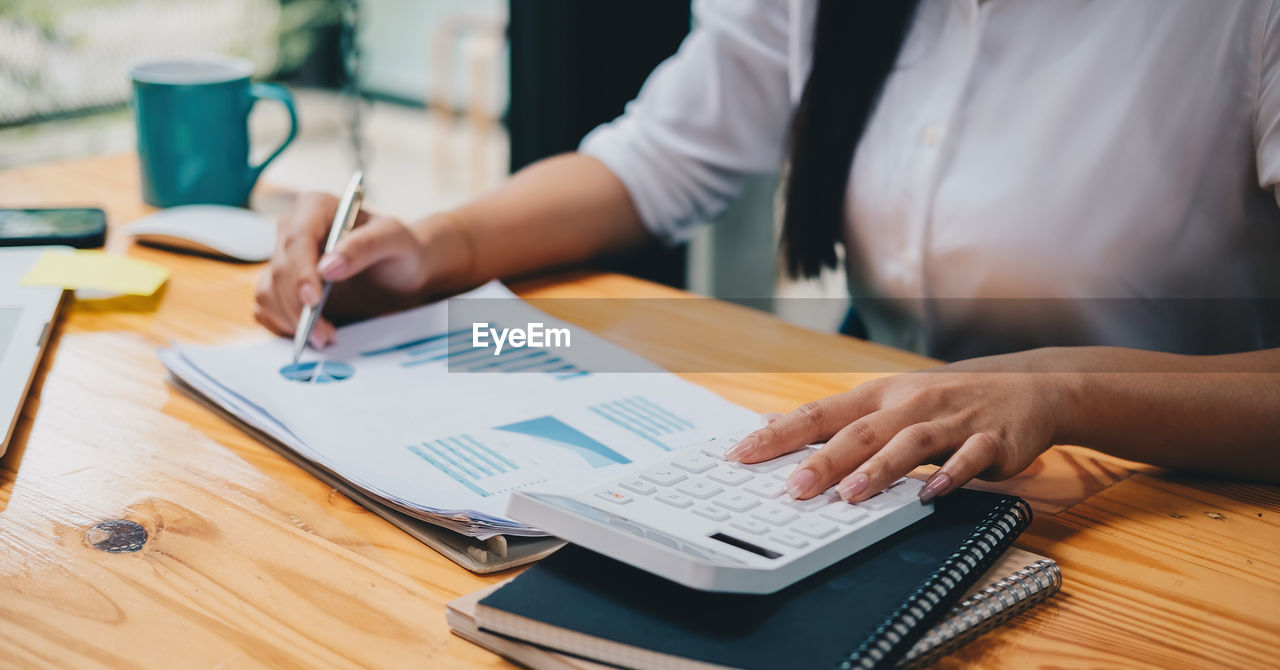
column 932, row 135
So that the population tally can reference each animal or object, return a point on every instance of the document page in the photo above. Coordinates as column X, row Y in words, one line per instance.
column 410, row 411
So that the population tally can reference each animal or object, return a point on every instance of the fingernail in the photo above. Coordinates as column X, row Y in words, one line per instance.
column 308, row 295
column 938, row 483
column 331, row 266
column 800, row 481
column 770, row 417
column 316, row 340
column 853, row 485
column 742, row 449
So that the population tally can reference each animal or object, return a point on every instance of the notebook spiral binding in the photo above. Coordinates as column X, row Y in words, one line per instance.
column 985, row 610
column 924, row 606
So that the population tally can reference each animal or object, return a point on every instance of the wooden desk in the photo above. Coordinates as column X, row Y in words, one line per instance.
column 251, row 562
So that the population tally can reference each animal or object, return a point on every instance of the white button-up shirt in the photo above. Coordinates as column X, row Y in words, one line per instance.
column 1036, row 171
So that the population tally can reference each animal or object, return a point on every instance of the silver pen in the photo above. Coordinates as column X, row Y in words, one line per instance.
column 343, row 220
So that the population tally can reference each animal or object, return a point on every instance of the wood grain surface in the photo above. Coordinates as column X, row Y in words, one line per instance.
column 250, row 562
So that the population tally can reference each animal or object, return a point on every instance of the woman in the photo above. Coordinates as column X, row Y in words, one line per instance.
column 1002, row 175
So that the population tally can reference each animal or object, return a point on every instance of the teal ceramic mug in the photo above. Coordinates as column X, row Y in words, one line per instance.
column 193, row 129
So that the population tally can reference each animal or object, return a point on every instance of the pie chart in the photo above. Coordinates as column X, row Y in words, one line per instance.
column 317, row 372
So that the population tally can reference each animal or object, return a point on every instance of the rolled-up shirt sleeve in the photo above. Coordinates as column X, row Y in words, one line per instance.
column 707, row 118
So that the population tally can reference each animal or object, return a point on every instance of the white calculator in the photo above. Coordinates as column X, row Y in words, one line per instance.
column 714, row 525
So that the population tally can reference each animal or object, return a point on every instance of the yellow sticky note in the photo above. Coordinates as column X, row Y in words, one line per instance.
column 96, row 270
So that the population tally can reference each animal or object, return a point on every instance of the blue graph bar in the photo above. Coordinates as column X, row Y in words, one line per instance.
column 479, row 445
column 628, row 414
column 488, row 460
column 504, row 360
column 421, row 453
column 680, row 423
column 468, row 456
column 442, row 343
column 456, row 463
column 547, row 365
column 455, row 347
column 536, row 363
column 627, row 425
column 412, row 343
column 452, row 355
column 464, row 346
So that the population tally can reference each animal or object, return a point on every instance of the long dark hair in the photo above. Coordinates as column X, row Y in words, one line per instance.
column 855, row 45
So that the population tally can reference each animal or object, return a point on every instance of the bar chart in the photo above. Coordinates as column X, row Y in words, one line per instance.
column 466, row 460
column 648, row 420
column 453, row 351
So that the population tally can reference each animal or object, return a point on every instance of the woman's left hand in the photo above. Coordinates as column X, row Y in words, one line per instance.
column 987, row 418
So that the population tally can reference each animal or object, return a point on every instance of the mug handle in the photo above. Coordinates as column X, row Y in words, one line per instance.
column 260, row 91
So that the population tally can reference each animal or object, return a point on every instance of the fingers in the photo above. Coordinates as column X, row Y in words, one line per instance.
column 323, row 333
column 380, row 239
column 808, row 423
column 301, row 234
column 266, row 310
column 294, row 279
column 268, row 313
column 846, row 450
column 291, row 279
column 910, row 447
column 978, row 454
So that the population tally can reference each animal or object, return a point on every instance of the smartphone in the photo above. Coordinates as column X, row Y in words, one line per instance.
column 79, row 227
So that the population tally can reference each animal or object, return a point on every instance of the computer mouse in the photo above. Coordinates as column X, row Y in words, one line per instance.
column 214, row 230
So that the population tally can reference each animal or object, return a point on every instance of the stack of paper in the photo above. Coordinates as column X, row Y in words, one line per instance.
column 406, row 410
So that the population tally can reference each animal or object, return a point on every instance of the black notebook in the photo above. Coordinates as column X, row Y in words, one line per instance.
column 865, row 611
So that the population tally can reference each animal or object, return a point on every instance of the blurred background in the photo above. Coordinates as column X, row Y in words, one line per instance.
column 439, row 100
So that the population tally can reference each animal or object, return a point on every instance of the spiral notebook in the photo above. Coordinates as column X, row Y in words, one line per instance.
column 870, row 610
column 1018, row 581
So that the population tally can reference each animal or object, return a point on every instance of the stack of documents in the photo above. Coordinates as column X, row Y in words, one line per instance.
column 404, row 409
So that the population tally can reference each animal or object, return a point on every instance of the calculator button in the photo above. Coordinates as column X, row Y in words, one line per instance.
column 792, row 458
column 765, row 488
column 695, row 463
column 814, row 528
column 843, row 512
column 716, row 449
column 784, row 471
column 881, row 501
column 813, row 504
column 790, row 540
column 732, row 476
column 906, row 488
column 664, row 476
column 639, row 486
column 674, row 499
column 615, row 496
column 775, row 514
column 753, row 527
column 699, row 488
column 711, row 512
column 737, row 502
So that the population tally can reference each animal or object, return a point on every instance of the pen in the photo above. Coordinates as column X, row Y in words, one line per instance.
column 342, row 222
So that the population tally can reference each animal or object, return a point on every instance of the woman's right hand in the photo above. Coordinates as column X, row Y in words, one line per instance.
column 380, row 266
